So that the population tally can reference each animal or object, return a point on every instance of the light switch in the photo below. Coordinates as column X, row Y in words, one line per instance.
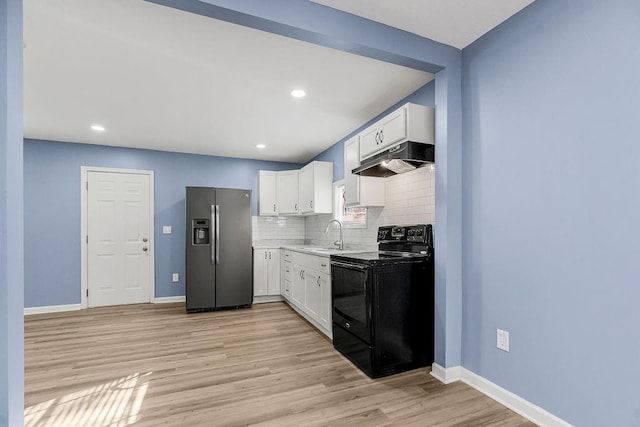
column 166, row 229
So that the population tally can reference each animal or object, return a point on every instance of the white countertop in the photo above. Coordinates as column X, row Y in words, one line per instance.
column 307, row 249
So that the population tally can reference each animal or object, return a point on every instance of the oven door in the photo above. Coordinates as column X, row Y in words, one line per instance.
column 351, row 295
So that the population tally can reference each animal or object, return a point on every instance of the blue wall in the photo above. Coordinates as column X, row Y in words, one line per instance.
column 11, row 220
column 551, row 131
column 423, row 96
column 52, row 209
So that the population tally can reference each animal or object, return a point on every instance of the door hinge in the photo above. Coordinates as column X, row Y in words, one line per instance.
column 87, row 292
column 86, row 185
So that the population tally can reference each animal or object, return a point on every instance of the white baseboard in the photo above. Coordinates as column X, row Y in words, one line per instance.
column 267, row 298
column 51, row 309
column 512, row 401
column 445, row 375
column 166, row 300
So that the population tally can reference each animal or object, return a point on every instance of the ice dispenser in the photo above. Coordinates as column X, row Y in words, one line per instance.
column 200, row 229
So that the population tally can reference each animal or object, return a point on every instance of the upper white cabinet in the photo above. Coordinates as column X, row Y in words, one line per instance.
column 306, row 191
column 316, row 188
column 411, row 122
column 287, row 192
column 360, row 190
column 267, row 185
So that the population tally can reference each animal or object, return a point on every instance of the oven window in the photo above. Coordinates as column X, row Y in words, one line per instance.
column 349, row 293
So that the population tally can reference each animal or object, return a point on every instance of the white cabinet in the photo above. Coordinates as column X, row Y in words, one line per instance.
column 266, row 272
column 313, row 293
column 287, row 192
column 360, row 190
column 286, row 274
column 325, row 303
column 298, row 284
column 267, row 189
column 311, row 289
column 308, row 190
column 316, row 188
column 411, row 122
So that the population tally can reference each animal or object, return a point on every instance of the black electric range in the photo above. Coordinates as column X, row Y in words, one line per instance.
column 383, row 302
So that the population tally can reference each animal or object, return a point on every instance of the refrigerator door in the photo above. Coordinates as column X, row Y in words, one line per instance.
column 234, row 271
column 200, row 271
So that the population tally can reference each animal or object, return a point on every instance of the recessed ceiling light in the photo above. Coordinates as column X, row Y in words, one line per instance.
column 298, row 93
column 261, row 146
column 97, row 128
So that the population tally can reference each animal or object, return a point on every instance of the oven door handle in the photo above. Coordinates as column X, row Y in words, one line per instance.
column 350, row 266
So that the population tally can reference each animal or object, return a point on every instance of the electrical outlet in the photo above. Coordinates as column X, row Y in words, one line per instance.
column 166, row 229
column 175, row 277
column 503, row 340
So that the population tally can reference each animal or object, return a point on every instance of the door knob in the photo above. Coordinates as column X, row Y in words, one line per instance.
column 145, row 249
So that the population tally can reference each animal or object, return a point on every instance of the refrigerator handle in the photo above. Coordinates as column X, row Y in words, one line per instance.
column 215, row 242
column 217, row 234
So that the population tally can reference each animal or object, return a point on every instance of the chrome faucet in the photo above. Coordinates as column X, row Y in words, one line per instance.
column 338, row 243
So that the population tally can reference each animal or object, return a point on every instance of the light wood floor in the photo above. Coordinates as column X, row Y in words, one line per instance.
column 154, row 365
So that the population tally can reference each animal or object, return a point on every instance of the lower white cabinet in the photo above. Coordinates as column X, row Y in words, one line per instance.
column 310, row 287
column 298, row 289
column 286, row 284
column 266, row 272
column 325, row 298
column 313, row 295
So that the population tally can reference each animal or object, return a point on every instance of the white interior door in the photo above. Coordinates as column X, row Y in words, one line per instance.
column 118, row 238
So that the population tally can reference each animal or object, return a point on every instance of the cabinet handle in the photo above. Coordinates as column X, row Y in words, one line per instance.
column 269, row 254
column 265, row 255
column 323, row 265
column 318, row 281
column 381, row 137
column 311, row 204
column 274, row 207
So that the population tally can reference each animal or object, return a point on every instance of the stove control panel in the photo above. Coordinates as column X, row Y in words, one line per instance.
column 406, row 233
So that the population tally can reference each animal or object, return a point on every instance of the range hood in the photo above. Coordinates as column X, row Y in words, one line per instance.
column 400, row 158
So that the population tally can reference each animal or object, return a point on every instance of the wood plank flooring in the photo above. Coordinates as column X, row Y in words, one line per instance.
column 149, row 365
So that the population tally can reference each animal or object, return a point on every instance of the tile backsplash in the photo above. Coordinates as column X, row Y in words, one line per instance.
column 410, row 199
column 277, row 230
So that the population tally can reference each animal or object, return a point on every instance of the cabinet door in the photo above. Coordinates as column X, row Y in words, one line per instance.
column 259, row 272
column 351, row 181
column 313, row 296
column 267, row 187
column 394, row 128
column 369, row 141
column 306, row 189
column 273, row 279
column 298, row 291
column 287, row 193
column 325, row 304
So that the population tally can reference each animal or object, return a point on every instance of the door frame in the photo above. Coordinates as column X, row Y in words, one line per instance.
column 84, row 205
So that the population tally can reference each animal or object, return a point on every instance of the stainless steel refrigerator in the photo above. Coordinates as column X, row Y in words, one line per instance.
column 219, row 266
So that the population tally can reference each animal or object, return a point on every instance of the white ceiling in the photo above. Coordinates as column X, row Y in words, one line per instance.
column 164, row 79
column 159, row 78
column 457, row 23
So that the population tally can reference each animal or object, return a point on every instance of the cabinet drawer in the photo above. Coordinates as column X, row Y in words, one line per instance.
column 324, row 266
column 287, row 270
